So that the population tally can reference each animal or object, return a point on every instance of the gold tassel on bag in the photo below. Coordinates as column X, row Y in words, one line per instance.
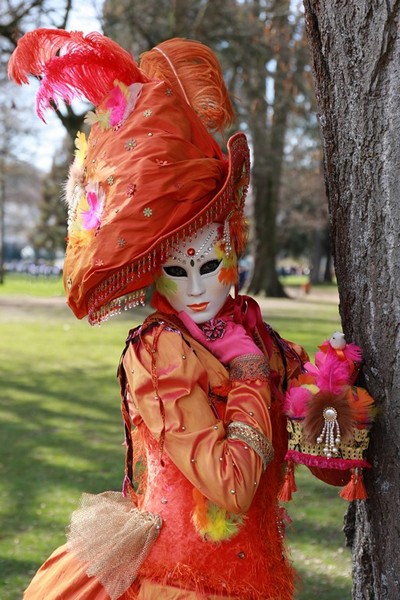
column 113, row 537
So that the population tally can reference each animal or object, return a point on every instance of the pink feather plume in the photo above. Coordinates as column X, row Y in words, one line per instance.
column 72, row 66
column 353, row 352
column 296, row 401
column 311, row 369
column 350, row 352
column 333, row 375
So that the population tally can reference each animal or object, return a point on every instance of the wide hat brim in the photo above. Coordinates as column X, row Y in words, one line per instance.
column 111, row 270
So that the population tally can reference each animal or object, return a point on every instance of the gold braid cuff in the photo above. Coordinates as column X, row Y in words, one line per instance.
column 249, row 367
column 261, row 445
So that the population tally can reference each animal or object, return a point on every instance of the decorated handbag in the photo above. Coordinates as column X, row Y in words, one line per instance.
column 329, row 420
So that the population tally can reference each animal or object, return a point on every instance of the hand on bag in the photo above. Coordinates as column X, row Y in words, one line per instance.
column 226, row 340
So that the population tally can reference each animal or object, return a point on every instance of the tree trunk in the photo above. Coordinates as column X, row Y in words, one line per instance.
column 265, row 184
column 321, row 259
column 316, row 257
column 328, row 274
column 268, row 158
column 356, row 54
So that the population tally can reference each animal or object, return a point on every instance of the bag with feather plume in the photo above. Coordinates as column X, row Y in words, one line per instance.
column 113, row 538
column 329, row 419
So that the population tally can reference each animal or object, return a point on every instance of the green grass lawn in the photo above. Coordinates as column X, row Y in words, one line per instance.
column 61, row 432
column 27, row 285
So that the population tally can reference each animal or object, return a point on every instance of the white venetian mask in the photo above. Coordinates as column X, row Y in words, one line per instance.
column 190, row 276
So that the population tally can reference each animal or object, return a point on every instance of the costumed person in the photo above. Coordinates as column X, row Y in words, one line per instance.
column 153, row 199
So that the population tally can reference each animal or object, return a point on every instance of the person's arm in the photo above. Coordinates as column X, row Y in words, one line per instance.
column 223, row 459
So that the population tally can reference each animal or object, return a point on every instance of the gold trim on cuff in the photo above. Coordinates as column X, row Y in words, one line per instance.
column 261, row 445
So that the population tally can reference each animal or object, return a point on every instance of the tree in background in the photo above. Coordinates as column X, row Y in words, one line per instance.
column 49, row 235
column 356, row 54
column 261, row 47
column 267, row 64
column 15, row 19
column 303, row 225
column 23, row 185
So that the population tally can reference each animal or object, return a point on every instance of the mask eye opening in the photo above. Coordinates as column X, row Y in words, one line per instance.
column 210, row 266
column 174, row 271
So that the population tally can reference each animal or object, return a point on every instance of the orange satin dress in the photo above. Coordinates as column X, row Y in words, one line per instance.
column 181, row 399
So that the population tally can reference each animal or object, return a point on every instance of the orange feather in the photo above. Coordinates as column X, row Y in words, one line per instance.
column 362, row 405
column 200, row 515
column 193, row 69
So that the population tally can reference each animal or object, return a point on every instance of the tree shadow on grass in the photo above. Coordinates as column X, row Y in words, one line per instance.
column 61, row 435
column 322, row 586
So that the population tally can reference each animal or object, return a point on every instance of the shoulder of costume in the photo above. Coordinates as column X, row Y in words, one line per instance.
column 152, row 323
column 155, row 321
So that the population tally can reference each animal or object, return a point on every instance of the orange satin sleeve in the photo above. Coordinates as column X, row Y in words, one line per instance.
column 226, row 471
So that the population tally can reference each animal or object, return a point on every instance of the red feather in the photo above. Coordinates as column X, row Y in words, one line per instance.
column 72, row 66
column 34, row 49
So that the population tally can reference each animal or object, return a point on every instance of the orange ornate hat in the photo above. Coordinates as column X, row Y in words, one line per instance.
column 150, row 173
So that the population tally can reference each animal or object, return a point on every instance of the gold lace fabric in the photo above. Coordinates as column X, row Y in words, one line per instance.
column 354, row 449
column 261, row 445
column 113, row 537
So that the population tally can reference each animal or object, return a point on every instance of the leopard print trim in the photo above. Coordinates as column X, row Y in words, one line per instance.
column 249, row 367
column 256, row 440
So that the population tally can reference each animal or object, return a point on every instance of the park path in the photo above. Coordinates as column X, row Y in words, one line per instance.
column 25, row 307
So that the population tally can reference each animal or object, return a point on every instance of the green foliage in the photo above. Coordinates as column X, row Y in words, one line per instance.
column 62, row 434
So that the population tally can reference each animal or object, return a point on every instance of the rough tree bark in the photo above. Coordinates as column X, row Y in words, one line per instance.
column 356, row 53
